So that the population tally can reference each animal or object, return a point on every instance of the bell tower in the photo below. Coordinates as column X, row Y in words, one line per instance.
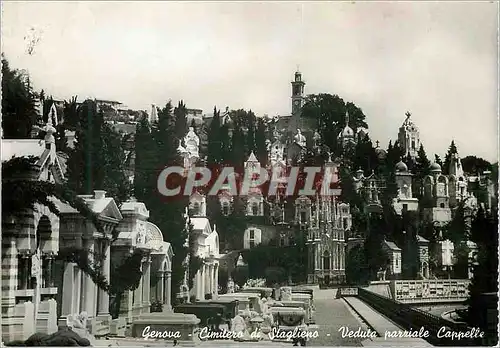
column 297, row 93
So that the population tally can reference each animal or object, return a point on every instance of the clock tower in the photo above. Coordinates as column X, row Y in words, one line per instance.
column 297, row 93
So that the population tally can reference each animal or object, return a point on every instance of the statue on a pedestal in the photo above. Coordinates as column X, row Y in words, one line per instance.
column 299, row 139
column 192, row 143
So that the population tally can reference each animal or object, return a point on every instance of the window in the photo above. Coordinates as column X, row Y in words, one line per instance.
column 251, row 238
column 397, row 261
column 326, row 260
column 195, row 209
column 441, row 205
column 282, row 241
column 225, row 208
column 405, row 207
column 303, row 216
column 413, row 144
column 345, row 224
column 255, row 209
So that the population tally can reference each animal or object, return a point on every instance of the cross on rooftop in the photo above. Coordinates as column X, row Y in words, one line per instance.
column 377, row 142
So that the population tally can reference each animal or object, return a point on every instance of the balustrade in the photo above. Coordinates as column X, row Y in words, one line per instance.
column 413, row 318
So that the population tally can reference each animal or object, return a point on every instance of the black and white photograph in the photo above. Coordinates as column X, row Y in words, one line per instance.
column 249, row 173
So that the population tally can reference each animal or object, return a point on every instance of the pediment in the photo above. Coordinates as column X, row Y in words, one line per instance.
column 111, row 211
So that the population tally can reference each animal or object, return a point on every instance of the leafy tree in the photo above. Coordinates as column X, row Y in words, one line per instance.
column 275, row 275
column 357, row 271
column 329, row 112
column 23, row 193
column 233, row 226
column 126, row 276
column 475, row 165
column 365, row 156
column 485, row 278
column 19, row 103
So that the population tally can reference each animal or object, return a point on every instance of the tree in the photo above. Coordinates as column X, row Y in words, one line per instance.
column 214, row 155
column 97, row 161
column 250, row 137
column 447, row 159
column 329, row 112
column 485, row 279
column 356, row 271
column 365, row 156
column 238, row 149
column 145, row 160
column 473, row 165
column 126, row 276
column 156, row 148
column 181, row 126
column 438, row 160
column 421, row 169
column 19, row 103
column 23, row 192
column 260, row 143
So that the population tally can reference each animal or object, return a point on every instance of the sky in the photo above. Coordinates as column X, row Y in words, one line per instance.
column 438, row 60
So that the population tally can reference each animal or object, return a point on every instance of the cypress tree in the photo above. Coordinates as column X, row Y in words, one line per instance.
column 447, row 159
column 214, row 151
column 260, row 143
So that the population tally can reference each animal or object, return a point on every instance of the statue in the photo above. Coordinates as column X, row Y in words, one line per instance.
column 192, row 143
column 317, row 139
column 286, row 293
column 268, row 145
column 299, row 139
column 77, row 321
column 239, row 326
column 230, row 286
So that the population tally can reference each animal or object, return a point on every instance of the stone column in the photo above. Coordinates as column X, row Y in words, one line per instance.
column 49, row 281
column 88, row 286
column 146, row 296
column 211, row 279
column 25, row 272
column 168, row 292
column 103, row 295
column 160, row 287
column 9, row 272
column 202, row 285
column 216, row 279
column 138, row 295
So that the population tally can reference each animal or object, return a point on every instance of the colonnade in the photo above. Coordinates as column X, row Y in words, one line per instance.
column 207, row 280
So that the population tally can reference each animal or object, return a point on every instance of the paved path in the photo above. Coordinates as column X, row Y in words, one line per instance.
column 376, row 320
column 332, row 314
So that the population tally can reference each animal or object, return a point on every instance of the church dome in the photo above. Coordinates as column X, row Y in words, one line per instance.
column 435, row 167
column 401, row 167
column 347, row 132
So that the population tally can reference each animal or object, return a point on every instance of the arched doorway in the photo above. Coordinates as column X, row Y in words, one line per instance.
column 326, row 260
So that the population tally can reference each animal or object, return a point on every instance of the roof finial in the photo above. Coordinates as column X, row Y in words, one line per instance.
column 346, row 117
column 408, row 114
